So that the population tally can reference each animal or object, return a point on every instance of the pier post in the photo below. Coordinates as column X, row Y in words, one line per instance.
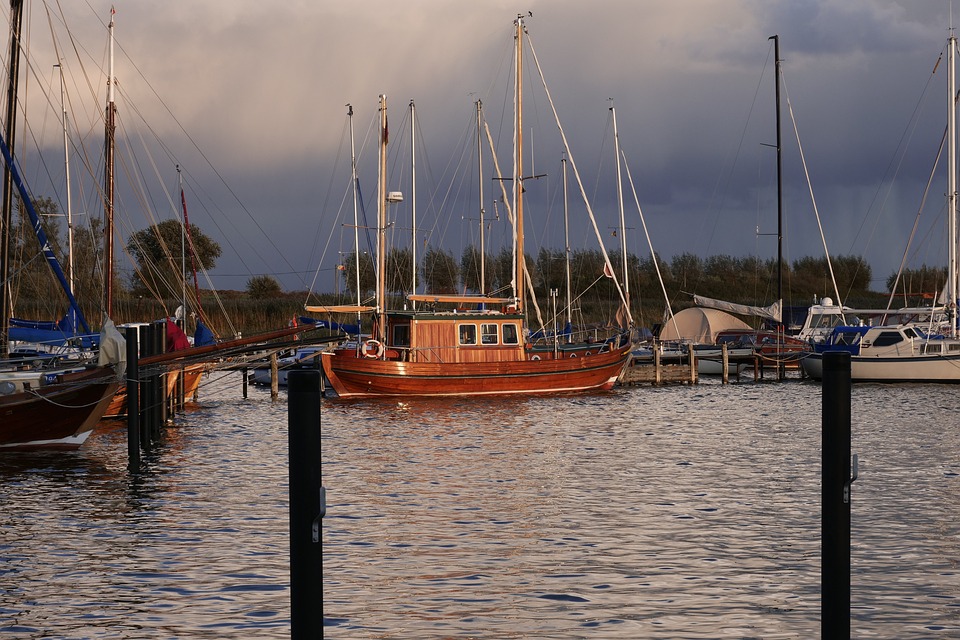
column 274, row 376
column 693, row 363
column 725, row 363
column 835, row 497
column 133, row 399
column 307, row 505
column 246, row 376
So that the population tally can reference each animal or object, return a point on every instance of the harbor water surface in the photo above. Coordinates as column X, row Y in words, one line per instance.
column 671, row 512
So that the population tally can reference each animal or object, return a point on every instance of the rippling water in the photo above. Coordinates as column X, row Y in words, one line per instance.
column 674, row 512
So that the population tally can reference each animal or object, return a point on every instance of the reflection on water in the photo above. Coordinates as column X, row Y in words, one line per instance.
column 688, row 512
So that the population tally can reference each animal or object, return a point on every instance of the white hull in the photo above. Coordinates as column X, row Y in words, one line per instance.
column 933, row 368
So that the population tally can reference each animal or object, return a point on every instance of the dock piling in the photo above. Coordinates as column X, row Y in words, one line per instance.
column 307, row 505
column 835, row 496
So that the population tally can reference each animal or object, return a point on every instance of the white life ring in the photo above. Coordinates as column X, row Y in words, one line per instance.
column 372, row 349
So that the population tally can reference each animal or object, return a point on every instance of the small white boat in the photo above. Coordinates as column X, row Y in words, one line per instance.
column 891, row 353
column 302, row 358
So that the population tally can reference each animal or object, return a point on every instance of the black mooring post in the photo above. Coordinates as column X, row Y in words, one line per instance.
column 835, row 497
column 307, row 505
column 146, row 390
column 133, row 402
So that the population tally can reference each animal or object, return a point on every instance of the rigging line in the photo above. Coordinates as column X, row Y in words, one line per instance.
column 243, row 207
column 907, row 134
column 344, row 133
column 916, row 220
column 646, row 232
column 576, row 173
column 813, row 199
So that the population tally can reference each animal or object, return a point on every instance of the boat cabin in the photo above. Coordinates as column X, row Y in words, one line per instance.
column 454, row 336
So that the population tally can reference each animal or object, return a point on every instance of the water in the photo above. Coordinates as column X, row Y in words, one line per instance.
column 674, row 512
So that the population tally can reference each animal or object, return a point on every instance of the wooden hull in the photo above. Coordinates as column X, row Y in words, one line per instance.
column 56, row 416
column 353, row 376
column 933, row 368
column 191, row 383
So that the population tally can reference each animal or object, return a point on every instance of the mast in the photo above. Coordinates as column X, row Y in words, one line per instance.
column 108, row 182
column 566, row 241
column 183, row 249
column 483, row 255
column 413, row 200
column 776, row 55
column 10, row 130
column 66, row 166
column 518, row 164
column 382, row 224
column 623, row 224
column 356, row 219
column 952, row 185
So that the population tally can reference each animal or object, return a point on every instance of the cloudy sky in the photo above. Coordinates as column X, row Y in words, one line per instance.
column 250, row 99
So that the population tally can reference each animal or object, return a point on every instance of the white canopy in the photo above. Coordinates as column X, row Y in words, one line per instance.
column 700, row 325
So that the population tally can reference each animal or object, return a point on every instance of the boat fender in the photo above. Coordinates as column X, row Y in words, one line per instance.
column 372, row 349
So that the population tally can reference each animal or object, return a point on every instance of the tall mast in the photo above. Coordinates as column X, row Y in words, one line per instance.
column 356, row 219
column 566, row 240
column 952, row 185
column 483, row 255
column 66, row 166
column 623, row 224
column 776, row 55
column 10, row 130
column 382, row 223
column 413, row 199
column 108, row 182
column 518, row 163
column 183, row 248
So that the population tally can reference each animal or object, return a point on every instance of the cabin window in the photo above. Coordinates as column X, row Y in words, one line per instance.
column 401, row 335
column 887, row 338
column 488, row 334
column 468, row 334
column 930, row 348
column 510, row 334
column 847, row 337
column 953, row 347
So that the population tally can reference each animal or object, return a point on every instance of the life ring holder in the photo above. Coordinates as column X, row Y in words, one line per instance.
column 372, row 349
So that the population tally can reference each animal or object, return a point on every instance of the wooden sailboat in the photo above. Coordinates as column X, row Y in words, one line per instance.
column 477, row 348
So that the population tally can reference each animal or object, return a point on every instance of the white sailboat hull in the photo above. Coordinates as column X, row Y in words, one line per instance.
column 921, row 368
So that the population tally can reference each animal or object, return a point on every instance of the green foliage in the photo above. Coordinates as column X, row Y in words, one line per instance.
column 440, row 271
column 162, row 264
column 368, row 277
column 263, row 287
column 918, row 282
column 400, row 271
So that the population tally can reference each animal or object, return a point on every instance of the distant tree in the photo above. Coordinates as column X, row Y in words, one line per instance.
column 552, row 270
column 368, row 277
column 470, row 269
column 811, row 276
column 501, row 271
column 263, row 287
column 399, row 271
column 923, row 281
column 158, row 251
column 440, row 271
column 32, row 276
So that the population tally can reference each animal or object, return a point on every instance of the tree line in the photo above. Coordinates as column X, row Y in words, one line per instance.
column 161, row 267
column 738, row 279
